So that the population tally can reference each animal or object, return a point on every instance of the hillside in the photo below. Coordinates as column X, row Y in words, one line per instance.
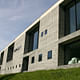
column 60, row 74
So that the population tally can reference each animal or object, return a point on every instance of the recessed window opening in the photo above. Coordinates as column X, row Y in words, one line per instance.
column 0, row 67
column 32, row 37
column 16, row 66
column 40, row 57
column 10, row 52
column 13, row 67
column 45, row 31
column 19, row 65
column 41, row 34
column 72, row 53
column 1, row 58
column 33, row 58
column 72, row 19
column 50, row 54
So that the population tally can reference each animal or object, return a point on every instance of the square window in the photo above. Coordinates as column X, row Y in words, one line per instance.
column 50, row 54
column 40, row 57
column 41, row 34
column 45, row 31
column 32, row 61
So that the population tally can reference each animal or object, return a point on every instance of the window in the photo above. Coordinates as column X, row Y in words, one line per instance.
column 40, row 57
column 78, row 15
column 45, row 31
column 16, row 66
column 13, row 67
column 1, row 58
column 72, row 17
column 31, row 40
column 50, row 54
column 32, row 61
column 19, row 65
column 35, row 40
column 10, row 52
column 0, row 67
column 41, row 34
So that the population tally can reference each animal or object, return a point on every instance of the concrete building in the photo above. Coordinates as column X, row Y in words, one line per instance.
column 50, row 42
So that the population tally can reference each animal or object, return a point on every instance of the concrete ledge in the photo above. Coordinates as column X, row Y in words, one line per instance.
column 69, row 38
column 69, row 66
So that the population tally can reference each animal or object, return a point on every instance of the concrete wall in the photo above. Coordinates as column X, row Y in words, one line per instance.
column 3, row 66
column 10, row 67
column 53, row 40
column 49, row 21
column 18, row 55
column 46, row 43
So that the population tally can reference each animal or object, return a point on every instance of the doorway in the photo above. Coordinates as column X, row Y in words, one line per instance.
column 25, row 64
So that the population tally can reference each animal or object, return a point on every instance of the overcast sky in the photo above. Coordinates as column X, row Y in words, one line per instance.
column 17, row 15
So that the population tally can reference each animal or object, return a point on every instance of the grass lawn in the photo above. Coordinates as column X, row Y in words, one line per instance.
column 60, row 74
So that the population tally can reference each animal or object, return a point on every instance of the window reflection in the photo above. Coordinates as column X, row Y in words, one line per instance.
column 35, row 43
column 72, row 19
column 78, row 15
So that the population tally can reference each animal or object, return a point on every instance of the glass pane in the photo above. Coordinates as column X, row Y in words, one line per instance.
column 32, row 60
column 41, row 34
column 72, row 19
column 40, row 57
column 35, row 43
column 49, row 54
column 78, row 15
column 46, row 31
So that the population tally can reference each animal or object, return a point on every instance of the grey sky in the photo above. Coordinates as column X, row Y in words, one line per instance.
column 17, row 15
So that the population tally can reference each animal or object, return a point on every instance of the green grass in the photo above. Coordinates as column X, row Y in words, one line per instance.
column 60, row 74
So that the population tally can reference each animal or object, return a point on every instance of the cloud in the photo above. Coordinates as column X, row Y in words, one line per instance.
column 11, row 3
column 10, row 8
column 14, row 18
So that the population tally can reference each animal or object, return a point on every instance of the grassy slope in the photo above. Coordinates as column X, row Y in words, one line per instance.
column 60, row 74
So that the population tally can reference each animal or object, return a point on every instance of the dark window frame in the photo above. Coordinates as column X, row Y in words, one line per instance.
column 32, row 60
column 66, row 8
column 8, row 68
column 41, row 34
column 0, row 68
column 1, row 58
column 19, row 65
column 13, row 67
column 46, row 32
column 40, row 58
column 66, row 45
column 16, row 66
column 29, row 38
column 10, row 52
column 49, row 56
